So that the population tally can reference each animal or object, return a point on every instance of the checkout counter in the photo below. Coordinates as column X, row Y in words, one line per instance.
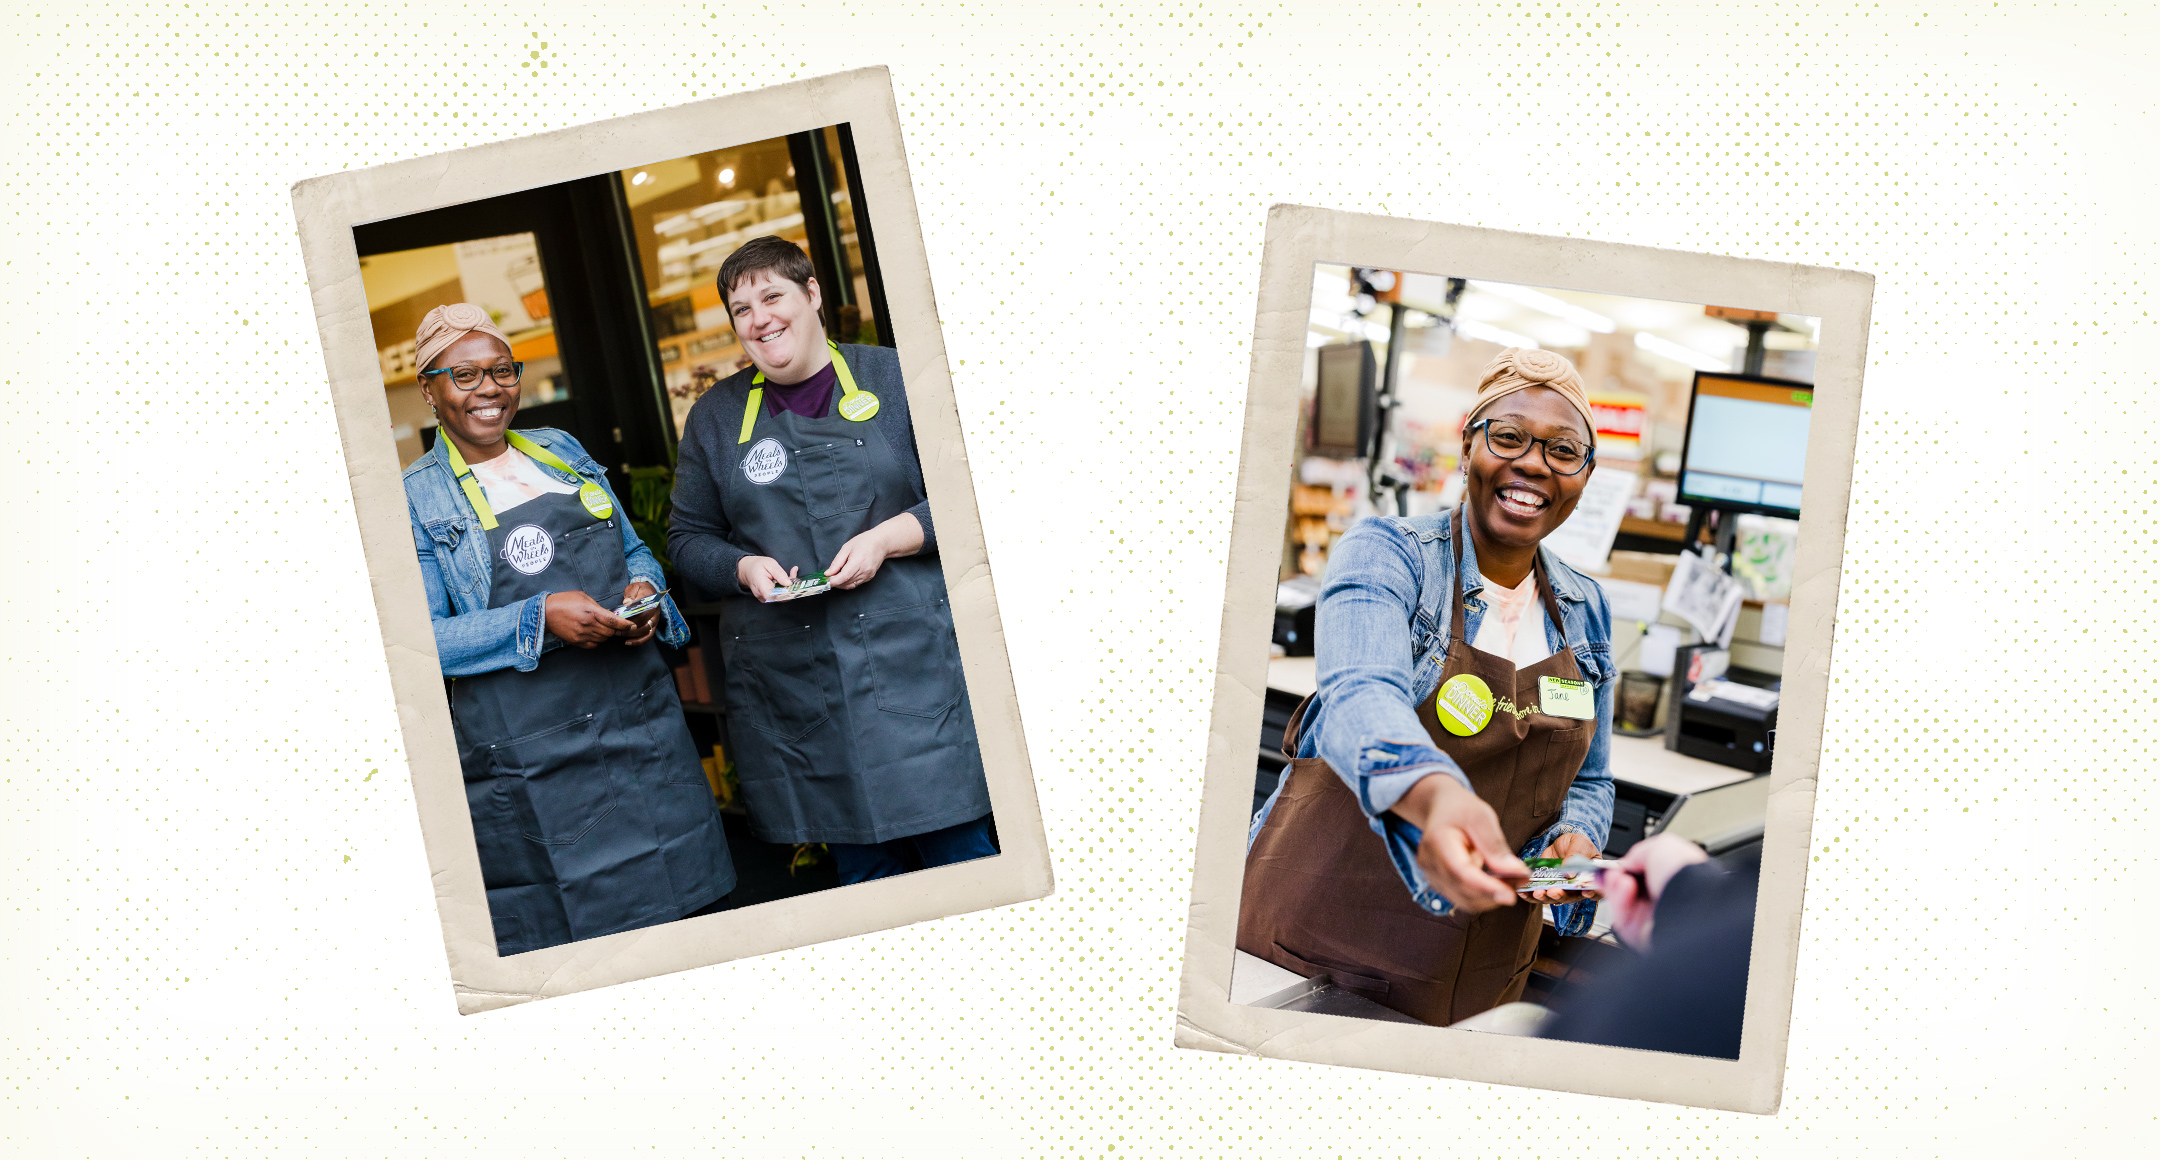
column 1657, row 790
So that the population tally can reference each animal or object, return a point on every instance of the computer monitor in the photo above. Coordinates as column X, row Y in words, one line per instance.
column 1747, row 440
column 1345, row 404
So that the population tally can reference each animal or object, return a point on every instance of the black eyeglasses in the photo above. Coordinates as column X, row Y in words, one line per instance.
column 1565, row 454
column 467, row 376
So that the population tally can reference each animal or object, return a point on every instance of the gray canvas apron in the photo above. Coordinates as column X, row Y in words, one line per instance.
column 589, row 805
column 848, row 712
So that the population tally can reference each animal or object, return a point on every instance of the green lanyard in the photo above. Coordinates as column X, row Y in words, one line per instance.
column 856, row 404
column 591, row 494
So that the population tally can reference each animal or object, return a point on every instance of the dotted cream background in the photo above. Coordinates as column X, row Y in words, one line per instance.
column 220, row 936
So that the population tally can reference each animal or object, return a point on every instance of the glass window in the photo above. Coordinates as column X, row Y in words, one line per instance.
column 688, row 215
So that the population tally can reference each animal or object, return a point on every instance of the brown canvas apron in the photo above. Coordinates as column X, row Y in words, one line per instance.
column 1322, row 898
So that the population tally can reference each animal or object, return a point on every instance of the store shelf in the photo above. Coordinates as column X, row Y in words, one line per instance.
column 1652, row 529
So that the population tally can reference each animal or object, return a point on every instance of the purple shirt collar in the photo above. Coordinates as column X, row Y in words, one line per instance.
column 808, row 398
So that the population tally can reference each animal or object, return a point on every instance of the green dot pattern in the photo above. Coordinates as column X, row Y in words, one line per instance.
column 222, row 938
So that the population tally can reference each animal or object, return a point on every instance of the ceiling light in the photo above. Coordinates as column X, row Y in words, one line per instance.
column 727, row 177
column 1487, row 332
column 1685, row 355
column 1535, row 300
column 641, row 178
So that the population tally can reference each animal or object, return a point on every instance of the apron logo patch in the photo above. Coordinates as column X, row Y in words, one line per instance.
column 765, row 460
column 529, row 549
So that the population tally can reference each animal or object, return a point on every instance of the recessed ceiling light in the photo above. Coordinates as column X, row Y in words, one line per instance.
column 1487, row 332
column 1536, row 300
column 727, row 177
column 641, row 178
column 1685, row 355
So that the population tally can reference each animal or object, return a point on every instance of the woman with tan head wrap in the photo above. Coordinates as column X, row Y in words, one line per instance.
column 589, row 804
column 1463, row 723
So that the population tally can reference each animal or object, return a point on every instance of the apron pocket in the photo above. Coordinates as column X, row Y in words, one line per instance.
column 559, row 780
column 673, row 750
column 777, row 681
column 1556, row 764
column 835, row 478
column 914, row 658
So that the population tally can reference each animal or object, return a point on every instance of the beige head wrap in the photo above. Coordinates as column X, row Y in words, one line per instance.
column 445, row 325
column 1517, row 369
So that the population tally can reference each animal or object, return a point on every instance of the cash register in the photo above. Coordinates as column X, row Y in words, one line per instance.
column 1722, row 713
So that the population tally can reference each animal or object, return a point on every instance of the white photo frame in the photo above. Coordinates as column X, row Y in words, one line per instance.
column 1298, row 238
column 327, row 208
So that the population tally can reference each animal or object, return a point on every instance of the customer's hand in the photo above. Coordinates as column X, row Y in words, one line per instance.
column 578, row 619
column 759, row 575
column 1569, row 845
column 1632, row 888
column 648, row 621
column 1463, row 853
column 860, row 558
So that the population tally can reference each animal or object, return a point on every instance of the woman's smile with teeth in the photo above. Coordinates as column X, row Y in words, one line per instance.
column 775, row 334
column 486, row 413
column 1521, row 501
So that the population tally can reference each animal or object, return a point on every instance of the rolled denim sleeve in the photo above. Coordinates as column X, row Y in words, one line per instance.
column 1368, row 730
column 511, row 637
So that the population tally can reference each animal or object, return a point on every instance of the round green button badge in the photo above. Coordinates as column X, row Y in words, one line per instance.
column 858, row 407
column 595, row 501
column 1464, row 704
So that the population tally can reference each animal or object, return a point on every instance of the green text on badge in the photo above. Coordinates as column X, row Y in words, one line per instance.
column 1560, row 697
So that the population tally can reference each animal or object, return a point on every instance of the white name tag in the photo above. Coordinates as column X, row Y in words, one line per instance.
column 1560, row 697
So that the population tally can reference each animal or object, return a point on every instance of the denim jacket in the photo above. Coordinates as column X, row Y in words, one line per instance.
column 1381, row 635
column 457, row 569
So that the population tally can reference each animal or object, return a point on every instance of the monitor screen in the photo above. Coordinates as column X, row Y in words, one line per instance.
column 1746, row 444
column 1342, row 419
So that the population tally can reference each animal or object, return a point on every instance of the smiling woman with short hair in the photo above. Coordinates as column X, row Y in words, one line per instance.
column 589, row 805
column 1463, row 722
column 848, row 714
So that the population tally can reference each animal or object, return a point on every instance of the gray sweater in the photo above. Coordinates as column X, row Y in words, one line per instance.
column 700, row 538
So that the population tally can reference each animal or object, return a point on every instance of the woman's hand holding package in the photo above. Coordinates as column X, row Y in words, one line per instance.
column 576, row 618
column 759, row 575
column 861, row 557
column 1463, row 852
column 1568, row 845
column 1632, row 888
column 647, row 622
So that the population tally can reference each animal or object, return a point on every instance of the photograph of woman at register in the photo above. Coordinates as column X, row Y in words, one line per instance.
column 1531, row 611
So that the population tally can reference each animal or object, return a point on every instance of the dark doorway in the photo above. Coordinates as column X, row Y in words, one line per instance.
column 610, row 385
